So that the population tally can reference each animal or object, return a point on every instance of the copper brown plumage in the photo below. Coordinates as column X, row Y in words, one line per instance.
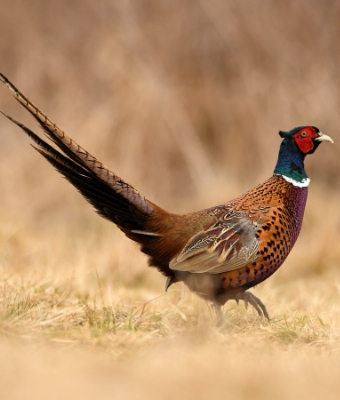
column 220, row 252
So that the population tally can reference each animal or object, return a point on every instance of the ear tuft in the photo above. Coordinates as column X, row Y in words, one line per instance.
column 283, row 134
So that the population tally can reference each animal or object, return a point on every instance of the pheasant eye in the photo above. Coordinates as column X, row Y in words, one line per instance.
column 303, row 134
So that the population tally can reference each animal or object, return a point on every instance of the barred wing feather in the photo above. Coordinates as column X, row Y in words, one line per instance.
column 225, row 246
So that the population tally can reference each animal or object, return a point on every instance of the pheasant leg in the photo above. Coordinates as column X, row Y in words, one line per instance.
column 250, row 298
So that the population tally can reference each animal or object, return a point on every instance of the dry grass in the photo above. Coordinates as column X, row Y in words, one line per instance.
column 183, row 99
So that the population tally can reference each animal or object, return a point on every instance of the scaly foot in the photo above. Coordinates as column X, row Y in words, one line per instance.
column 250, row 298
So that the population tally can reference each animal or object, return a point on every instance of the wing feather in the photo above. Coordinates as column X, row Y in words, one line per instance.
column 224, row 246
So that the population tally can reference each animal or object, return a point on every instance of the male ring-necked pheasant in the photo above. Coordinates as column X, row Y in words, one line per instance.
column 220, row 252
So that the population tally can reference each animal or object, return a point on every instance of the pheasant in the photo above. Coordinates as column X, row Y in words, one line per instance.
column 220, row 252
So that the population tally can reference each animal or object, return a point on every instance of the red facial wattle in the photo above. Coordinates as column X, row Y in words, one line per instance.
column 304, row 139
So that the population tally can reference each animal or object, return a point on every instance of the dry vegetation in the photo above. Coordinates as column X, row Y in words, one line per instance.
column 184, row 100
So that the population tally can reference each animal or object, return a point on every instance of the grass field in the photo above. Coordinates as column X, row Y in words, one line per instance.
column 95, row 323
column 184, row 100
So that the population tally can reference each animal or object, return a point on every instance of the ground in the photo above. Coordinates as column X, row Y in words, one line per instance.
column 82, row 315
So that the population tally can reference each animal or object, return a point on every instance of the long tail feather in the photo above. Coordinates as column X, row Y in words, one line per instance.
column 106, row 202
column 78, row 154
column 113, row 199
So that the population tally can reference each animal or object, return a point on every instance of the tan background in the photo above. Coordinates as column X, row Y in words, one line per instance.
column 183, row 99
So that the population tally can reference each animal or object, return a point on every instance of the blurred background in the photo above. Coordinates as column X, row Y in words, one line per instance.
column 183, row 99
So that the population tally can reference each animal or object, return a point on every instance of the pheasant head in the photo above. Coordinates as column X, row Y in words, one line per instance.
column 296, row 144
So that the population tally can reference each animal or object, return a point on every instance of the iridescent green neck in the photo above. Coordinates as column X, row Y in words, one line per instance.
column 290, row 164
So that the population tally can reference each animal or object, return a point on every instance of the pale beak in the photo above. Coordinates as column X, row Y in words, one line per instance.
column 324, row 138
